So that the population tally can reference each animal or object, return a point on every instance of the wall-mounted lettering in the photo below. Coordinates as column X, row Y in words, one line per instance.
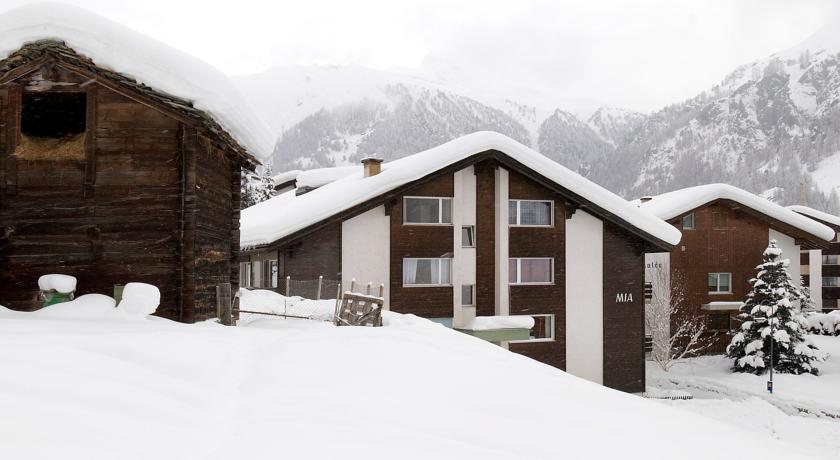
column 623, row 297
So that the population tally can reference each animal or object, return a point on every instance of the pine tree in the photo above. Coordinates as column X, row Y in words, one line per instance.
column 769, row 306
column 256, row 187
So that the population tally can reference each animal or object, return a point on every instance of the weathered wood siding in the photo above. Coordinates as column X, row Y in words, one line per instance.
column 150, row 202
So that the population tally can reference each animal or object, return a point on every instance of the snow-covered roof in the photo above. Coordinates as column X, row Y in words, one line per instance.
column 279, row 217
column 811, row 212
column 116, row 48
column 315, row 177
column 673, row 204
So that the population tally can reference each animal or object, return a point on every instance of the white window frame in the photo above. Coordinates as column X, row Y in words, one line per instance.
column 472, row 292
column 693, row 223
column 519, row 216
column 440, row 209
column 471, row 229
column 826, row 256
column 519, row 281
column 718, row 282
column 439, row 272
column 551, row 327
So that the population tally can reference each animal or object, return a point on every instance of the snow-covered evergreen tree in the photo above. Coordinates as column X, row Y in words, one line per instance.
column 769, row 306
column 256, row 187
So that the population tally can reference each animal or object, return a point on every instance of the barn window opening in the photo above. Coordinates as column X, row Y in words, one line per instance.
column 52, row 126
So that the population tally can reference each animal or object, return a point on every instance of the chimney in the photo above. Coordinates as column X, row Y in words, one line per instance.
column 645, row 199
column 372, row 166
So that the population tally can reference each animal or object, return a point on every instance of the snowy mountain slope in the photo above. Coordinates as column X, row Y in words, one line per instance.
column 333, row 115
column 615, row 125
column 97, row 386
column 765, row 125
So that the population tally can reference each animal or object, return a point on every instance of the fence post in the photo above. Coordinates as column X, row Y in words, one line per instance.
column 318, row 292
column 382, row 291
column 288, row 281
column 368, row 287
column 353, row 285
column 223, row 310
column 337, row 301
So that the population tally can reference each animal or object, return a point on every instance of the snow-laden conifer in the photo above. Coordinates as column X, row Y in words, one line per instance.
column 770, row 320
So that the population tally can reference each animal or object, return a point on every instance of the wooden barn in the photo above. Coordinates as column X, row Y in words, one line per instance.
column 112, row 180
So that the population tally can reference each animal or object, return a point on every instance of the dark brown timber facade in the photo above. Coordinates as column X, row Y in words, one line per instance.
column 109, row 181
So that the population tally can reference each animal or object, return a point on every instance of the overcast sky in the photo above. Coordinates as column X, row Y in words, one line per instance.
column 640, row 54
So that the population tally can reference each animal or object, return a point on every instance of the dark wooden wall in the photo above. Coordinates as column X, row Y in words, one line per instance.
column 116, row 215
column 723, row 240
column 485, row 244
column 421, row 241
column 624, row 320
column 540, row 299
column 318, row 254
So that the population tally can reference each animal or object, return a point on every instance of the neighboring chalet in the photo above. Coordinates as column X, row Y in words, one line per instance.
column 120, row 161
column 481, row 226
column 821, row 268
column 725, row 231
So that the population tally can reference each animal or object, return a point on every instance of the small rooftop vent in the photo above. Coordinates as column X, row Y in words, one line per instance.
column 645, row 199
column 372, row 166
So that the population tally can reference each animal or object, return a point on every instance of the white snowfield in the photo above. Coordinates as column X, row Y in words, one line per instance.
column 104, row 388
column 816, row 214
column 487, row 323
column 672, row 204
column 161, row 67
column 273, row 219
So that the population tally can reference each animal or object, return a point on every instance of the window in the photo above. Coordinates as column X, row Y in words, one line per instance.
column 831, row 281
column 688, row 222
column 467, row 295
column 831, row 259
column 245, row 274
column 530, row 213
column 542, row 331
column 427, row 272
column 719, row 322
column 257, row 275
column 419, row 210
column 648, row 292
column 720, row 283
column 53, row 115
column 273, row 273
column 531, row 270
column 468, row 236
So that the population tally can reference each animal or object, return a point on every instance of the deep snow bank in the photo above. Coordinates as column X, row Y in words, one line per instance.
column 92, row 389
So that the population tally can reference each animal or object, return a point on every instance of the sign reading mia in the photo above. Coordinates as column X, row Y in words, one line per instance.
column 623, row 297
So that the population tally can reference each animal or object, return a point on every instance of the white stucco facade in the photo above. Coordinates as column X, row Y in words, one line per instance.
column 502, row 301
column 790, row 250
column 365, row 250
column 584, row 297
column 463, row 260
column 815, row 278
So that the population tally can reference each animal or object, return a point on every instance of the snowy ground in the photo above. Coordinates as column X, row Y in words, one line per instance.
column 104, row 385
column 804, row 409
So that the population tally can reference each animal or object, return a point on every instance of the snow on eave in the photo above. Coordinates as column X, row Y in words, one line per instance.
column 816, row 214
column 673, row 204
column 148, row 61
column 275, row 218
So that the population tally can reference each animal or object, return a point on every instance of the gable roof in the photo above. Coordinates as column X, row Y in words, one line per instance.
column 91, row 44
column 673, row 204
column 824, row 217
column 283, row 216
